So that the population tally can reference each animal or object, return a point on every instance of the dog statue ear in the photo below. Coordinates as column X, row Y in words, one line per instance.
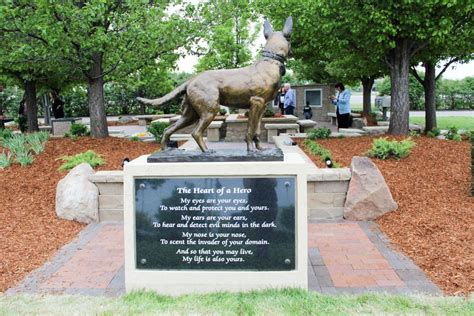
column 288, row 27
column 267, row 29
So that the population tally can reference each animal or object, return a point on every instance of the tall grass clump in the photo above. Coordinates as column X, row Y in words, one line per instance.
column 6, row 160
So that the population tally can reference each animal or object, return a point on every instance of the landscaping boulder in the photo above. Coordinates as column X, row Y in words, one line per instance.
column 126, row 120
column 359, row 122
column 368, row 196
column 76, row 197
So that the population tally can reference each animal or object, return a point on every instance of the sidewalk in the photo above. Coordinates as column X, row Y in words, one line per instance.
column 344, row 257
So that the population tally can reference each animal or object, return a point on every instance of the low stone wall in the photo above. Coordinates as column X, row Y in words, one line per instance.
column 110, row 184
column 327, row 188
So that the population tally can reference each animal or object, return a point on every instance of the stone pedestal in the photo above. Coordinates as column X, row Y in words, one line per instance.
column 214, row 131
column 195, row 227
column 276, row 129
column 306, row 125
column 62, row 126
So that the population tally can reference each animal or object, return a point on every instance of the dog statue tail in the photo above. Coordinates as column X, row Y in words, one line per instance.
column 180, row 90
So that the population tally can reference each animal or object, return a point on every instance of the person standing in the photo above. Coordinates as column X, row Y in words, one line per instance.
column 343, row 106
column 22, row 119
column 280, row 100
column 58, row 104
column 289, row 102
column 307, row 111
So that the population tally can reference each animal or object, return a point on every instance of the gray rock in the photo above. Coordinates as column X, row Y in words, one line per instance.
column 359, row 122
column 375, row 130
column 126, row 119
column 77, row 198
column 416, row 128
column 441, row 137
column 368, row 196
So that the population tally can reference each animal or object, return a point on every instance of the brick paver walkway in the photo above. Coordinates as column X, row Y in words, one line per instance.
column 344, row 257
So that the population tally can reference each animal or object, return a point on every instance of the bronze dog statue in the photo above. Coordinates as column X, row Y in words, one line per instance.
column 244, row 88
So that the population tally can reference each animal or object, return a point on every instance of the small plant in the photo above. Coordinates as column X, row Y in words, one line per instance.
column 89, row 157
column 319, row 133
column 24, row 158
column 453, row 134
column 414, row 134
column 268, row 113
column 434, row 132
column 5, row 160
column 384, row 149
column 222, row 111
column 78, row 129
column 36, row 142
column 72, row 137
column 456, row 138
column 157, row 129
column 16, row 144
column 318, row 150
column 6, row 133
column 135, row 139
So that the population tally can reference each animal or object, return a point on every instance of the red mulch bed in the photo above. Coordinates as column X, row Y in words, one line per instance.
column 30, row 232
column 434, row 223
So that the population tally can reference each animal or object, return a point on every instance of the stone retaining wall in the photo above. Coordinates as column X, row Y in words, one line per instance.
column 327, row 188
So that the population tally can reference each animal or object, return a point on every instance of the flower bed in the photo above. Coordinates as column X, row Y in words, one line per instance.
column 434, row 221
column 29, row 229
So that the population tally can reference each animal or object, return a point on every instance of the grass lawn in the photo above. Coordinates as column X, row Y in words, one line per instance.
column 268, row 302
column 444, row 122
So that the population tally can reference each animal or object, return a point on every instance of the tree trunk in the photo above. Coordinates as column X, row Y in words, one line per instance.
column 367, row 84
column 400, row 103
column 95, row 95
column 429, row 86
column 31, row 106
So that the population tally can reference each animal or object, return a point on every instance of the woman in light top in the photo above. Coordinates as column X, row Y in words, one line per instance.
column 343, row 106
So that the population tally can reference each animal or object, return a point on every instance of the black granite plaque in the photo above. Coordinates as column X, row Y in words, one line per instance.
column 215, row 223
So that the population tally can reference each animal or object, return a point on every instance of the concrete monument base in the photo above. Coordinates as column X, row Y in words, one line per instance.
column 271, row 221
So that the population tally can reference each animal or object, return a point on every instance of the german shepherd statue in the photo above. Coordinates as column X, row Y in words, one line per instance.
column 244, row 88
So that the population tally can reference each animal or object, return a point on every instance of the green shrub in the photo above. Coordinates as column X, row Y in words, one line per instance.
column 5, row 160
column 434, row 132
column 157, row 129
column 453, row 134
column 268, row 113
column 222, row 111
column 78, row 129
column 89, row 157
column 384, row 149
column 135, row 139
column 319, row 133
column 456, row 138
column 414, row 134
column 318, row 150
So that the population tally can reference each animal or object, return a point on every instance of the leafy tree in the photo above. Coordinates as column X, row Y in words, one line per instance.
column 457, row 46
column 393, row 31
column 25, row 58
column 104, row 39
column 228, row 34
